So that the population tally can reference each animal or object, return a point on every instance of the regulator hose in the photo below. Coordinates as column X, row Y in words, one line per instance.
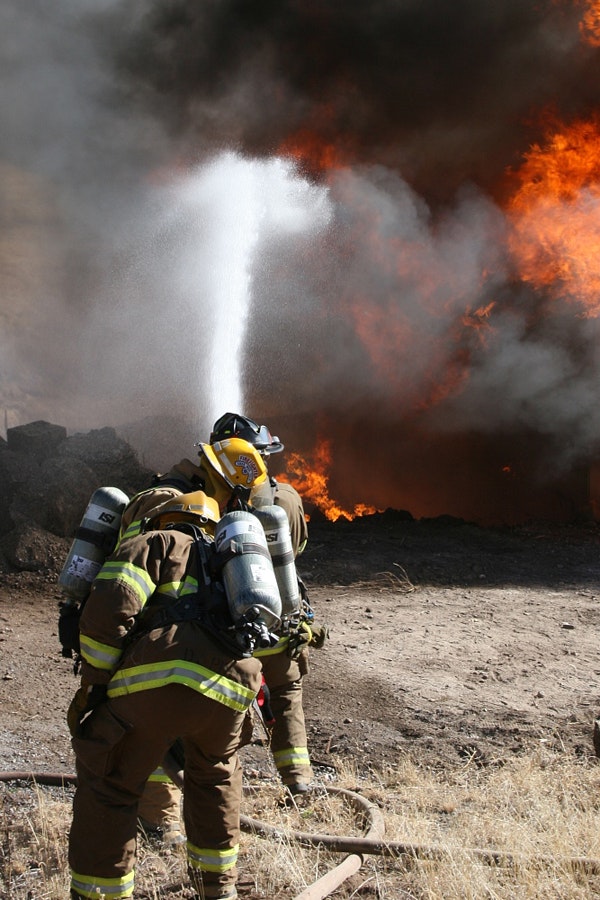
column 371, row 844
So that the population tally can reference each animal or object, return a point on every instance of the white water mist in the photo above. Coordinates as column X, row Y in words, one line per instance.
column 229, row 208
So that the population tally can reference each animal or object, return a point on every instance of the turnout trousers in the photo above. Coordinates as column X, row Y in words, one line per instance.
column 160, row 804
column 125, row 740
column 289, row 743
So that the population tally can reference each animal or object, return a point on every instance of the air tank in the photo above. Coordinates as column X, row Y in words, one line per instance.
column 94, row 540
column 276, row 526
column 248, row 574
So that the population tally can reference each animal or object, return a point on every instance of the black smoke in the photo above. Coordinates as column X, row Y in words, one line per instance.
column 356, row 325
column 442, row 92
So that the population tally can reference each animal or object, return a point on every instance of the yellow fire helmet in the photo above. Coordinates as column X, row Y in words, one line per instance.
column 196, row 507
column 240, row 462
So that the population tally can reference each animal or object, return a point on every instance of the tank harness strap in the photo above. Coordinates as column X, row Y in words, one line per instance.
column 105, row 540
column 234, row 549
column 162, row 611
column 208, row 607
column 283, row 559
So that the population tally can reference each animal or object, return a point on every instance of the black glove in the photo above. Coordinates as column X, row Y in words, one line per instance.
column 68, row 627
column 306, row 636
column 87, row 698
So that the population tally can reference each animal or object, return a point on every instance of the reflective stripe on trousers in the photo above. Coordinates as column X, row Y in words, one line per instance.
column 291, row 756
column 177, row 671
column 211, row 860
column 111, row 888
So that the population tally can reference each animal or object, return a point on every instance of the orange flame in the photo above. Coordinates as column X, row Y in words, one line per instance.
column 312, row 483
column 555, row 238
column 479, row 320
column 389, row 332
column 311, row 152
column 453, row 374
column 589, row 27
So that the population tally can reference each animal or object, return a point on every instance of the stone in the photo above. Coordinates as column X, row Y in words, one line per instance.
column 39, row 439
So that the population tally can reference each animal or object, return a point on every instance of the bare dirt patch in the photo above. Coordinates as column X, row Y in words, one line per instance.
column 451, row 646
column 447, row 640
column 450, row 640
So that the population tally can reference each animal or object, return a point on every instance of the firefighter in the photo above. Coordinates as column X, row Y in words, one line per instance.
column 166, row 655
column 285, row 667
column 160, row 806
column 287, row 663
column 224, row 470
column 269, row 490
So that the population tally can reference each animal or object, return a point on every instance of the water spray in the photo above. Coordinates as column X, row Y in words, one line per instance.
column 229, row 210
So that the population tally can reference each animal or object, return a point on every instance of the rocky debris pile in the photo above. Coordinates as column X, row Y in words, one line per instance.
column 46, row 481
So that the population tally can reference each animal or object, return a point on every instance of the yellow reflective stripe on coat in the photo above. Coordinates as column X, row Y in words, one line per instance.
column 132, row 530
column 291, row 756
column 176, row 589
column 133, row 576
column 207, row 859
column 134, row 527
column 100, row 656
column 160, row 776
column 279, row 647
column 179, row 671
column 94, row 887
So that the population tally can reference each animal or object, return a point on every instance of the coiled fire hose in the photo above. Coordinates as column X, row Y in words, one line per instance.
column 372, row 843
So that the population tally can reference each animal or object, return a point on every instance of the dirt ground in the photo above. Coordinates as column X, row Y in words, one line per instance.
column 446, row 640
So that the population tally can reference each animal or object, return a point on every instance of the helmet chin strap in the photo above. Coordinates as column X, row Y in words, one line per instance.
column 240, row 498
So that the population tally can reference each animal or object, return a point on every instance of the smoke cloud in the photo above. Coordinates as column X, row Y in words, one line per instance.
column 145, row 170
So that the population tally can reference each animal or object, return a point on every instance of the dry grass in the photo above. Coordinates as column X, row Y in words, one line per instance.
column 388, row 582
column 543, row 807
column 33, row 852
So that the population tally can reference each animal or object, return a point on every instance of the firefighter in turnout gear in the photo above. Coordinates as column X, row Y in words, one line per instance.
column 229, row 468
column 166, row 656
column 285, row 667
column 160, row 805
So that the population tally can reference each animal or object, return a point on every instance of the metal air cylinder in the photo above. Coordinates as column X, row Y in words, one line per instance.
column 94, row 540
column 248, row 574
column 276, row 526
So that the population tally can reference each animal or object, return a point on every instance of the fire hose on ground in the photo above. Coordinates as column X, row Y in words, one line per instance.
column 372, row 843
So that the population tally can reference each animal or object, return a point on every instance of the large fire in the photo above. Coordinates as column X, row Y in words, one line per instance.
column 419, row 282
column 590, row 23
column 552, row 242
column 555, row 215
column 311, row 480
